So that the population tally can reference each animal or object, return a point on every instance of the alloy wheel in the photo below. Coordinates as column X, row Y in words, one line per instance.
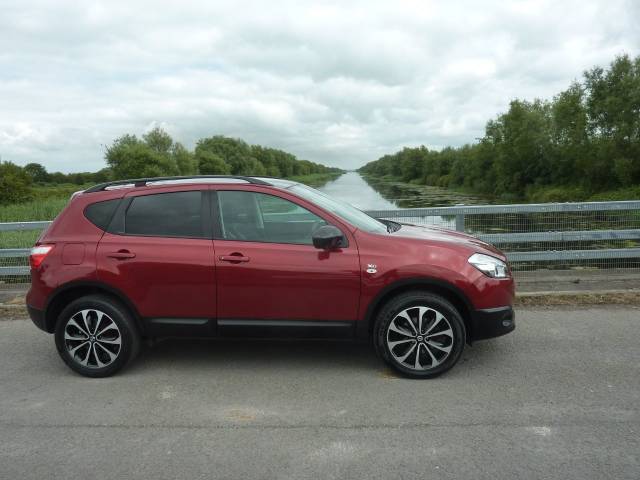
column 92, row 339
column 419, row 338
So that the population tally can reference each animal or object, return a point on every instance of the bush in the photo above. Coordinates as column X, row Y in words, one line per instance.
column 15, row 184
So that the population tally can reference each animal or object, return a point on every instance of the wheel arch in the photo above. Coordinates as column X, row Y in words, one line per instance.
column 69, row 292
column 432, row 285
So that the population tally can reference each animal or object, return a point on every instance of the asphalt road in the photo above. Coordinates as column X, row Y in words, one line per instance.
column 558, row 398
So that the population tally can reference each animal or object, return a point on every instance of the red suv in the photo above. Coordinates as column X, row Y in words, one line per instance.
column 243, row 256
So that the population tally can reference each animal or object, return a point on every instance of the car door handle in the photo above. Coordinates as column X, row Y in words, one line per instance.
column 234, row 258
column 121, row 254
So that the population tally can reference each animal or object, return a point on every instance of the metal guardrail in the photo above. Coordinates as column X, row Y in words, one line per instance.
column 577, row 236
column 593, row 234
column 14, row 226
column 590, row 233
column 513, row 208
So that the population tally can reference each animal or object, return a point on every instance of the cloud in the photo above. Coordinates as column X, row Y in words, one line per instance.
column 339, row 83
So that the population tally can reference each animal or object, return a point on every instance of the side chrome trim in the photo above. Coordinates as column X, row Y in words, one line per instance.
column 178, row 321
column 285, row 328
column 284, row 323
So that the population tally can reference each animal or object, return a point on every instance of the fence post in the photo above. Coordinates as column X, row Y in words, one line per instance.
column 460, row 222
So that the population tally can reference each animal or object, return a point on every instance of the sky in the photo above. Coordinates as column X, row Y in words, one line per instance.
column 339, row 83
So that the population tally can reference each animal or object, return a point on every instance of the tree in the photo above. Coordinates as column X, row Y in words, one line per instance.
column 613, row 107
column 37, row 172
column 252, row 167
column 14, row 184
column 158, row 140
column 411, row 162
column 128, row 157
column 57, row 177
column 235, row 153
column 588, row 137
column 569, row 135
column 211, row 164
column 156, row 154
column 185, row 160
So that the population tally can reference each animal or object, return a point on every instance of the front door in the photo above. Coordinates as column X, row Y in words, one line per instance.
column 268, row 269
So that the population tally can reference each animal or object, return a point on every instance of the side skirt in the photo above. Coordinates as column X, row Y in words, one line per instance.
column 234, row 328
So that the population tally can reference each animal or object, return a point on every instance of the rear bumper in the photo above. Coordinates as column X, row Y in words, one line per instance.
column 492, row 322
column 37, row 317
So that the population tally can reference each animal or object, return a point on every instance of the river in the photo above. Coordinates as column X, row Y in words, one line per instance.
column 377, row 194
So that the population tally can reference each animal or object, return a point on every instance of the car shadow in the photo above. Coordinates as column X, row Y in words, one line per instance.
column 256, row 353
column 274, row 355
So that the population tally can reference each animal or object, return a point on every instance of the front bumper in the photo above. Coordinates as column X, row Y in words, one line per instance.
column 37, row 317
column 492, row 322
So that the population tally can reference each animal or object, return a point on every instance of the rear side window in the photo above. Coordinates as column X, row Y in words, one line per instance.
column 100, row 213
column 177, row 214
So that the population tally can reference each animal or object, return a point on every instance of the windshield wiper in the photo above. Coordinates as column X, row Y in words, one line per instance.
column 390, row 224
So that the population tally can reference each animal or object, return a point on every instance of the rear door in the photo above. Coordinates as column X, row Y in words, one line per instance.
column 268, row 269
column 158, row 251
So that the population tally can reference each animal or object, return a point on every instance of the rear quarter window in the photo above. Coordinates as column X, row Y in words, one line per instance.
column 100, row 213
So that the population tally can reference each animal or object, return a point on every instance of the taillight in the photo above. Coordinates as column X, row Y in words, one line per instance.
column 38, row 254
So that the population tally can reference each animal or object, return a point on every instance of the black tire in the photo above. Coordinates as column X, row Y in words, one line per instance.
column 121, row 340
column 430, row 348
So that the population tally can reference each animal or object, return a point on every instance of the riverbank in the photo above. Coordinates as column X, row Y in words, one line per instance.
column 544, row 194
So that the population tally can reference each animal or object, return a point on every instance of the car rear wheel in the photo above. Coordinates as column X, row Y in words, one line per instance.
column 96, row 337
column 419, row 334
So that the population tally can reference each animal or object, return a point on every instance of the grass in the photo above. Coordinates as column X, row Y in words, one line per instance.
column 582, row 298
column 47, row 202
column 21, row 239
column 627, row 193
column 34, row 210
column 578, row 194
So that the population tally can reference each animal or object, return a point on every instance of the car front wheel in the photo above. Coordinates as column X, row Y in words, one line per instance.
column 419, row 334
column 95, row 336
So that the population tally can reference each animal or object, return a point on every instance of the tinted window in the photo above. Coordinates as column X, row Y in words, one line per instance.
column 100, row 213
column 176, row 214
column 258, row 217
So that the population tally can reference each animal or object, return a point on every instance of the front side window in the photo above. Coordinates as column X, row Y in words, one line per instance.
column 258, row 217
column 176, row 214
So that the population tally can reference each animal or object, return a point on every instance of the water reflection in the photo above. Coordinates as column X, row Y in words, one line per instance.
column 353, row 189
column 382, row 194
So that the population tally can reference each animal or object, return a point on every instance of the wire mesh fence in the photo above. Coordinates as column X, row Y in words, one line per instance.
column 565, row 236
column 15, row 240
column 14, row 266
column 555, row 236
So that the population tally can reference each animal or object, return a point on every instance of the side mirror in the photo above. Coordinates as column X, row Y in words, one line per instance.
column 328, row 237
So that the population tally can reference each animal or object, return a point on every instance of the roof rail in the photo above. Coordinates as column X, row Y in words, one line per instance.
column 141, row 182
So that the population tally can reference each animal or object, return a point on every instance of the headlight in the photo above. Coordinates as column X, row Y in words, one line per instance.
column 490, row 266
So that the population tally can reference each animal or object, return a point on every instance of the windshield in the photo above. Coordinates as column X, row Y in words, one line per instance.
column 349, row 213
